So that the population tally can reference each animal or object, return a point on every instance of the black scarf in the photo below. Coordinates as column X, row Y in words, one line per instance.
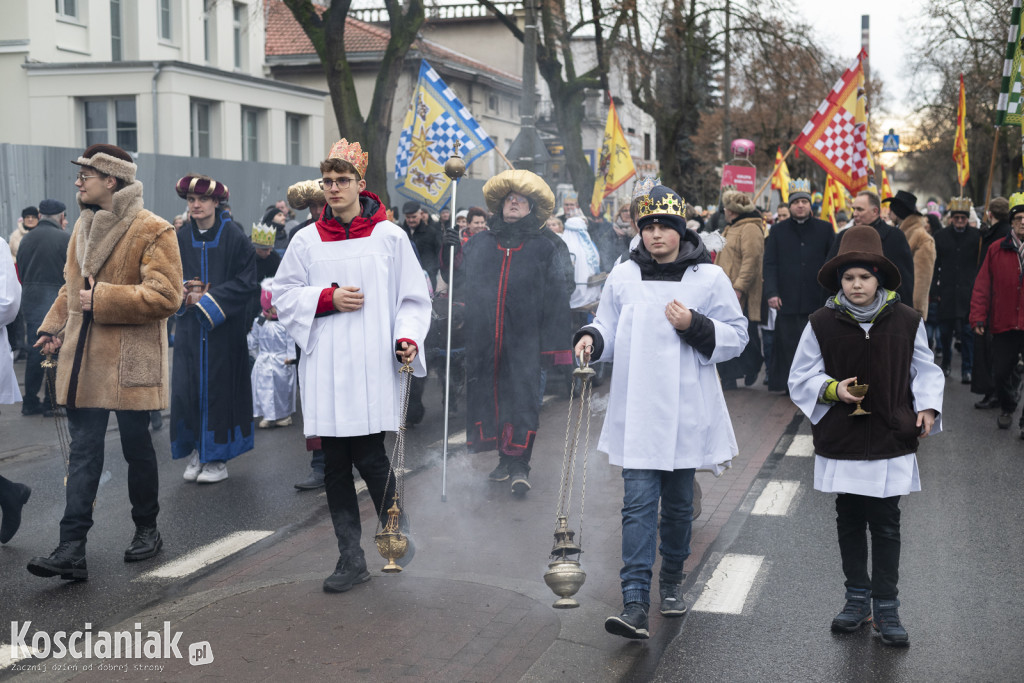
column 513, row 234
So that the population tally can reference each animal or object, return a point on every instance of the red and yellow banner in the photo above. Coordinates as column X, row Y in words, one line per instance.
column 780, row 176
column 615, row 165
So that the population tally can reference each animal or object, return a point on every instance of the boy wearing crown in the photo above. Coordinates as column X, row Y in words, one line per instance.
column 352, row 295
column 211, row 390
column 667, row 316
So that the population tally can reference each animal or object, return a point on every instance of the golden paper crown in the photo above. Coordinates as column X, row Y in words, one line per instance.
column 352, row 153
column 661, row 202
column 800, row 185
column 959, row 205
column 263, row 235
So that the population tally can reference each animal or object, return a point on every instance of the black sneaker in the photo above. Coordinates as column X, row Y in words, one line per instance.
column 347, row 573
column 856, row 612
column 632, row 623
column 672, row 604
column 887, row 622
column 520, row 480
column 499, row 473
column 67, row 562
column 145, row 544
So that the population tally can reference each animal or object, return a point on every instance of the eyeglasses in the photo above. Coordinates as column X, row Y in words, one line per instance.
column 341, row 183
column 82, row 177
column 519, row 199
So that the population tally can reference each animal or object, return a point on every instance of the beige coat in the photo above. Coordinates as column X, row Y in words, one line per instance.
column 742, row 259
column 121, row 361
column 922, row 247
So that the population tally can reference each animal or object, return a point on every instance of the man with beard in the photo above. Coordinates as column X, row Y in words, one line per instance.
column 867, row 210
column 957, row 251
column 511, row 280
column 794, row 252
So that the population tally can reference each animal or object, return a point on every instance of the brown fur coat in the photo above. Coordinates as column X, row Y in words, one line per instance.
column 742, row 260
column 121, row 361
column 922, row 247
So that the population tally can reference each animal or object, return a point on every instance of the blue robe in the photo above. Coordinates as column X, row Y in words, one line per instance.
column 211, row 389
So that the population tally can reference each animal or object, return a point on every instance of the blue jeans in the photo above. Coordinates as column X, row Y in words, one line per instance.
column 643, row 489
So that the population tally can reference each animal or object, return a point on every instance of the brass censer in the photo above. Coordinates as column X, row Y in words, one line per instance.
column 858, row 391
column 391, row 543
column 564, row 575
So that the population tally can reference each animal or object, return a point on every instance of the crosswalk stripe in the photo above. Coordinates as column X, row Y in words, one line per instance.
column 726, row 591
column 206, row 555
column 776, row 498
column 802, row 446
column 8, row 658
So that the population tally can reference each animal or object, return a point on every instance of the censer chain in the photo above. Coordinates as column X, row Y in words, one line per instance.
column 63, row 435
column 398, row 457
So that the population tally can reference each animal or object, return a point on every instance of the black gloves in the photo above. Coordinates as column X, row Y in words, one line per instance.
column 450, row 238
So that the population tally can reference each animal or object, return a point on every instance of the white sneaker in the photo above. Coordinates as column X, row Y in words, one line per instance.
column 213, row 472
column 193, row 468
column 264, row 424
column 284, row 422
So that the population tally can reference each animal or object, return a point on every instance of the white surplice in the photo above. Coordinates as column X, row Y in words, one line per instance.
column 877, row 478
column 349, row 374
column 666, row 410
column 273, row 380
column 10, row 301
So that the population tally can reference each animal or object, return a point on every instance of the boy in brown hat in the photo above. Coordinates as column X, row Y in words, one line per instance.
column 864, row 335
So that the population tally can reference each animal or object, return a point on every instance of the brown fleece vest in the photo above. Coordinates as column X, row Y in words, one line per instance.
column 880, row 358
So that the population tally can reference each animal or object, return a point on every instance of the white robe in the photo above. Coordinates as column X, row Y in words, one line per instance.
column 349, row 373
column 273, row 382
column 10, row 301
column 666, row 410
column 877, row 478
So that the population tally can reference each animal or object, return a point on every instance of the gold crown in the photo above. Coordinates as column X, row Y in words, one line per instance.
column 669, row 204
column 800, row 185
column 1016, row 199
column 263, row 235
column 959, row 204
column 352, row 153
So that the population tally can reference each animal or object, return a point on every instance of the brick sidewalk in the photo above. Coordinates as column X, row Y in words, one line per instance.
column 472, row 605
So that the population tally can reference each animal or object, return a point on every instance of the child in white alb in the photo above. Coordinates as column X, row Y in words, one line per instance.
column 273, row 375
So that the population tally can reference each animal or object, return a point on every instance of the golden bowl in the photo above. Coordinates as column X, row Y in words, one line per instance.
column 858, row 390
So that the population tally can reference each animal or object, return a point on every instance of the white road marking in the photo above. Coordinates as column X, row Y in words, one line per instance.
column 726, row 591
column 802, row 446
column 776, row 498
column 8, row 658
column 456, row 439
column 206, row 555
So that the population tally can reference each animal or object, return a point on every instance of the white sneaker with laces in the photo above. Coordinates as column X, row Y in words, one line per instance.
column 284, row 422
column 213, row 472
column 193, row 468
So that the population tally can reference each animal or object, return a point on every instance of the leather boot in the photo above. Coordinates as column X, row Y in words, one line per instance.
column 11, row 501
column 145, row 544
column 67, row 562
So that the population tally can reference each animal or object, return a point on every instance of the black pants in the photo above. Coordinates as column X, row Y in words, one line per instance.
column 88, row 429
column 882, row 515
column 788, row 329
column 1006, row 346
column 748, row 363
column 366, row 454
column 8, row 489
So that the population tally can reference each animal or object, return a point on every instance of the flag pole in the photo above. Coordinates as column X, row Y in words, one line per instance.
column 454, row 168
column 503, row 158
column 991, row 169
column 775, row 168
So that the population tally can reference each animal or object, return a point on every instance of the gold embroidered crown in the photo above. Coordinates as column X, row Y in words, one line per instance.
column 800, row 185
column 959, row 204
column 263, row 235
column 661, row 202
column 352, row 153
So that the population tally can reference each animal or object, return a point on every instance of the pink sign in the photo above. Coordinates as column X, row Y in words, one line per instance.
column 743, row 178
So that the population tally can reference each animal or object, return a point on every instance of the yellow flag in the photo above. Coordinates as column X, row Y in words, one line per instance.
column 780, row 178
column 615, row 165
column 963, row 164
column 833, row 200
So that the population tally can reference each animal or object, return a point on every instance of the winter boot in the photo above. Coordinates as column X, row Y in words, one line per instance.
column 856, row 612
column 145, row 544
column 67, row 561
column 347, row 573
column 887, row 622
column 632, row 623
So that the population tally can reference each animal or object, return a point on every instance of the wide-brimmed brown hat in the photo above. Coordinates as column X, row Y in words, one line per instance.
column 861, row 245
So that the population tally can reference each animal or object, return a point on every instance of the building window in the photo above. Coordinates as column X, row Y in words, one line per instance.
column 239, row 33
column 207, row 51
column 164, row 17
column 296, row 126
column 67, row 8
column 647, row 146
column 492, row 103
column 116, row 53
column 112, row 120
column 201, row 110
column 250, row 134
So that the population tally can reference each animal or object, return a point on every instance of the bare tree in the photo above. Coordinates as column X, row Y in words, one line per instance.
column 325, row 28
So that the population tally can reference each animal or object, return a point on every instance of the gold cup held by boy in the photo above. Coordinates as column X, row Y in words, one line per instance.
column 858, row 391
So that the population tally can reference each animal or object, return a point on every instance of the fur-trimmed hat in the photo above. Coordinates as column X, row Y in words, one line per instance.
column 526, row 183
column 109, row 159
column 304, row 193
column 204, row 186
column 738, row 202
column 861, row 247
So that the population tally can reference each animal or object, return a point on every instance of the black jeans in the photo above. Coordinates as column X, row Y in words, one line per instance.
column 366, row 454
column 1006, row 346
column 88, row 429
column 882, row 516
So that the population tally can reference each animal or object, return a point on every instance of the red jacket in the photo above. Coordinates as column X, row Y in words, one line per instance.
column 998, row 297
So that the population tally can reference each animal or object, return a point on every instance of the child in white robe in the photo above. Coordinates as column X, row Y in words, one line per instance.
column 864, row 335
column 273, row 374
